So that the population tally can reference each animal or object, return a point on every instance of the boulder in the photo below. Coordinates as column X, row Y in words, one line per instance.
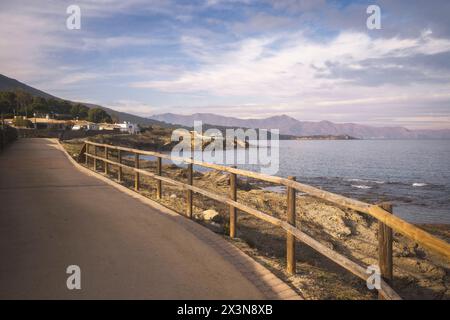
column 210, row 215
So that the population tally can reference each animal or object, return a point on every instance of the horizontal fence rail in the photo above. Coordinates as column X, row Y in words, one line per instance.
column 387, row 220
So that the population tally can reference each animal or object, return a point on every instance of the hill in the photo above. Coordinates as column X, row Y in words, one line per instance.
column 9, row 84
column 291, row 126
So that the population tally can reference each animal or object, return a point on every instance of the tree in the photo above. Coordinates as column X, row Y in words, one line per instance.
column 65, row 107
column 40, row 106
column 98, row 115
column 7, row 103
column 53, row 105
column 79, row 111
column 5, row 107
column 24, row 101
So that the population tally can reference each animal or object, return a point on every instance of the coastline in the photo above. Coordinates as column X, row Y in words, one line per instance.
column 418, row 274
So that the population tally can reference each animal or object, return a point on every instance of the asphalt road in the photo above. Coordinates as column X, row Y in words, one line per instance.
column 53, row 216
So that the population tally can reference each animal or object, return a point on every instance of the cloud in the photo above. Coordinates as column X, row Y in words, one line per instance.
column 25, row 41
column 212, row 3
column 301, row 67
column 77, row 77
column 107, row 43
column 132, row 106
column 298, row 5
column 262, row 22
column 36, row 47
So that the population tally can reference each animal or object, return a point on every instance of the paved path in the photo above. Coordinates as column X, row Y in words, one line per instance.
column 52, row 216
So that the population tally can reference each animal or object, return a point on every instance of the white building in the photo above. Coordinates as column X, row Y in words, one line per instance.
column 129, row 127
column 77, row 127
column 85, row 126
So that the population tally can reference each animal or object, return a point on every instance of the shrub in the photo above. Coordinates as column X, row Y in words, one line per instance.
column 98, row 115
column 21, row 122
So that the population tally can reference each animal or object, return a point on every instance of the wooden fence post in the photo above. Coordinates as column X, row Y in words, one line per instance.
column 86, row 155
column 136, row 174
column 119, row 170
column 82, row 154
column 290, row 239
column 158, row 182
column 104, row 162
column 190, row 174
column 385, row 260
column 192, row 137
column 95, row 159
column 233, row 196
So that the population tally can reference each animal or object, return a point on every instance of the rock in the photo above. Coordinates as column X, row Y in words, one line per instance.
column 216, row 177
column 173, row 196
column 222, row 180
column 197, row 215
column 210, row 215
column 402, row 250
column 330, row 219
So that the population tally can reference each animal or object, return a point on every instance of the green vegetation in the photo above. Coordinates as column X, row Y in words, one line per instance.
column 21, row 122
column 98, row 115
column 22, row 103
column 79, row 111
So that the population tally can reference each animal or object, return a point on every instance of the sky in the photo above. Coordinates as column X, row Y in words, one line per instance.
column 310, row 59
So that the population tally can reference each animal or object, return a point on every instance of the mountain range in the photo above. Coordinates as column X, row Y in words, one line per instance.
column 286, row 124
column 291, row 126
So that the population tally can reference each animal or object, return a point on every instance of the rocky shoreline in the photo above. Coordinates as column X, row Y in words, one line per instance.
column 418, row 273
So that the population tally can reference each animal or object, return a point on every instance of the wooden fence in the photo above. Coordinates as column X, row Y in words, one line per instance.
column 383, row 213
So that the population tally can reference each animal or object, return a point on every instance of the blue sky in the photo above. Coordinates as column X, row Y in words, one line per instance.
column 313, row 60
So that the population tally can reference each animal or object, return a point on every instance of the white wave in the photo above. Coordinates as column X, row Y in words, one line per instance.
column 361, row 186
column 355, row 180
column 366, row 181
column 419, row 184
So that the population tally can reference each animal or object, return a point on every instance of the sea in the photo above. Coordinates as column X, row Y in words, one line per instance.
column 412, row 174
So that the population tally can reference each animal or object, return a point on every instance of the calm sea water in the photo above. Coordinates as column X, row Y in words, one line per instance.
column 413, row 174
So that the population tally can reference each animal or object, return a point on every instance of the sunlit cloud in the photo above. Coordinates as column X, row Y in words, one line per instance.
column 301, row 67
